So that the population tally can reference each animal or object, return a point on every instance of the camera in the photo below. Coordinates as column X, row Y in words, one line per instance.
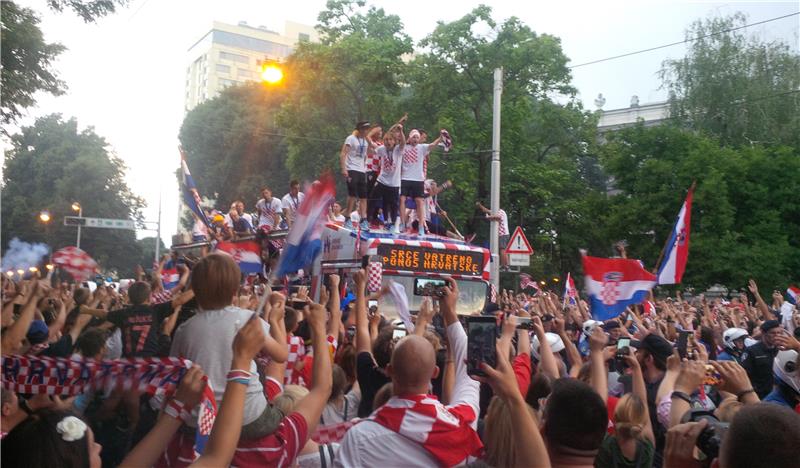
column 709, row 441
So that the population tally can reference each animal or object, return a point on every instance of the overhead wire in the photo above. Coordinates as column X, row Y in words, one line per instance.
column 671, row 44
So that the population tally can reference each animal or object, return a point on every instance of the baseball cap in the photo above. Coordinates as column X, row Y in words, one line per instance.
column 657, row 346
column 37, row 332
column 611, row 325
column 363, row 124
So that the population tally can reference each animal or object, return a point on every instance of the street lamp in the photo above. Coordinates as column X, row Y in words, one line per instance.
column 271, row 74
column 77, row 207
column 44, row 216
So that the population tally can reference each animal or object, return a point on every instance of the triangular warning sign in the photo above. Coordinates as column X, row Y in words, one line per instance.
column 518, row 244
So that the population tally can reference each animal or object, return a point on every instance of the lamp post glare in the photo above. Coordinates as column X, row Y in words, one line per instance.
column 272, row 74
column 44, row 216
column 77, row 207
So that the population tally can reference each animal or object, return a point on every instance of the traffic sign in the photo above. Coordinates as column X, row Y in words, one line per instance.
column 106, row 223
column 518, row 244
column 519, row 259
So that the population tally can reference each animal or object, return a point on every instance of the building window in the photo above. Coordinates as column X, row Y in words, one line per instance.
column 227, row 83
column 242, row 73
column 303, row 37
column 223, row 68
column 233, row 57
column 250, row 43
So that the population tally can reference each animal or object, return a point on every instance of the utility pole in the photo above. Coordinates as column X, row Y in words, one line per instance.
column 158, row 229
column 494, row 229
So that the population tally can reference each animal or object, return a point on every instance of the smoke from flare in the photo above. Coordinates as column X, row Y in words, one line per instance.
column 23, row 255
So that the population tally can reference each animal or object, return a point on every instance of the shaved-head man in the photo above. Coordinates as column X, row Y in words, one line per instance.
column 413, row 428
column 413, row 366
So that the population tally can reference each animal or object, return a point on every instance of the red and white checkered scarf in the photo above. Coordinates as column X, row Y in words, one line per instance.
column 445, row 432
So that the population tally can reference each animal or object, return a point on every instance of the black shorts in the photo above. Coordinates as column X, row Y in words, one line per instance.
column 357, row 184
column 372, row 179
column 412, row 188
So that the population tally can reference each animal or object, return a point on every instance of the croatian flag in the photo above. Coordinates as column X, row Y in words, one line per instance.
column 525, row 282
column 570, row 293
column 677, row 249
column 205, row 419
column 303, row 242
column 615, row 283
column 793, row 293
column 190, row 194
column 170, row 277
column 247, row 254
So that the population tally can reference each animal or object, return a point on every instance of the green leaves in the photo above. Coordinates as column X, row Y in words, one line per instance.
column 745, row 204
column 27, row 62
column 50, row 166
column 735, row 86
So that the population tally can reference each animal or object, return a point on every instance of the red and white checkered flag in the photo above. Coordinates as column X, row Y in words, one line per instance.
column 76, row 262
column 374, row 276
column 525, row 281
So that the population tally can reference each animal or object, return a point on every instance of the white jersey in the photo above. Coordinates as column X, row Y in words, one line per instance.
column 355, row 159
column 414, row 158
column 390, row 166
column 266, row 212
column 288, row 202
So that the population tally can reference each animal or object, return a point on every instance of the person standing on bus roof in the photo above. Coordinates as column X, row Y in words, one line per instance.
column 412, row 185
column 353, row 165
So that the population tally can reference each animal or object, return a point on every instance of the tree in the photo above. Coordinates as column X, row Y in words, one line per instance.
column 27, row 61
column 745, row 217
column 734, row 86
column 351, row 75
column 147, row 245
column 548, row 186
column 51, row 165
column 89, row 10
column 233, row 148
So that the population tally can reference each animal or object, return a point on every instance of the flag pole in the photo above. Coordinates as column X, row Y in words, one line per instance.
column 664, row 248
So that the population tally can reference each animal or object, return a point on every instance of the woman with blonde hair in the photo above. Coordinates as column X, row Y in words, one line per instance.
column 633, row 444
column 499, row 434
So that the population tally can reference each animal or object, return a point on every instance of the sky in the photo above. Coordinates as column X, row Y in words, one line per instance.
column 126, row 73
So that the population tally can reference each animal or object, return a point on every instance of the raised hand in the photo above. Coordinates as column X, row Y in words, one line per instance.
column 691, row 376
column 249, row 340
column 597, row 340
column 733, row 377
column 190, row 390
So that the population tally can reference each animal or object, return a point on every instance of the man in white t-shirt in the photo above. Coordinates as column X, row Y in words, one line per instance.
column 269, row 210
column 502, row 229
column 291, row 202
column 412, row 185
column 354, row 169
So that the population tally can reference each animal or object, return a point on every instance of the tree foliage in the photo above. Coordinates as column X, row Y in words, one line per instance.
column 746, row 213
column 546, row 148
column 89, row 10
column 351, row 75
column 734, row 86
column 51, row 165
column 232, row 146
column 27, row 61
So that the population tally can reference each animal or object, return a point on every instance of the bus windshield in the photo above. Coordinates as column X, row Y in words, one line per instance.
column 471, row 296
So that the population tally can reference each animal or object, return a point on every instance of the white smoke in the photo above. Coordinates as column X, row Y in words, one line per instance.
column 23, row 255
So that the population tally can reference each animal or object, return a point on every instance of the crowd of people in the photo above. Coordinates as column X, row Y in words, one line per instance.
column 387, row 188
column 672, row 382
